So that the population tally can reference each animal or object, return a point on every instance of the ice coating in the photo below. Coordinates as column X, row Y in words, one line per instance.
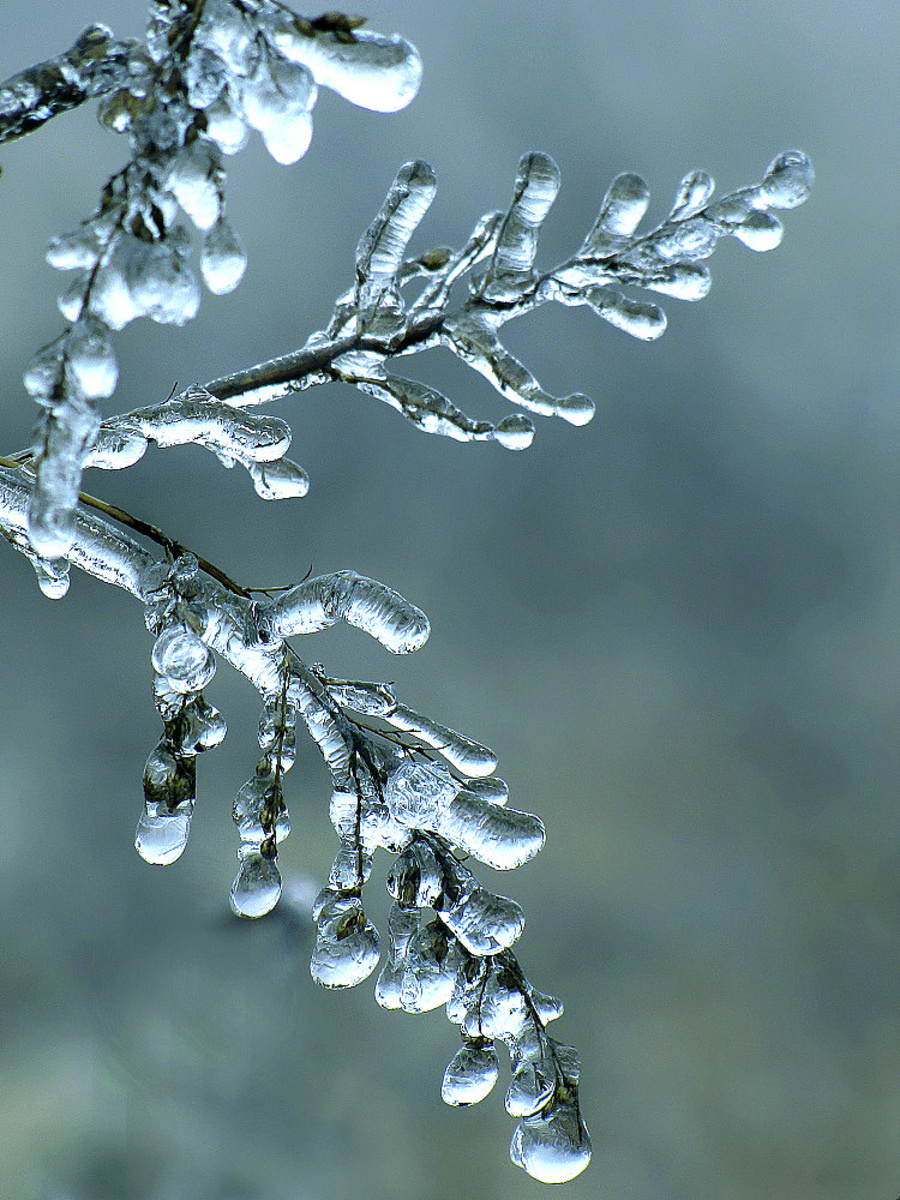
column 382, row 246
column 402, row 925
column 345, row 596
column 512, row 267
column 693, row 194
column 347, row 945
column 530, row 1088
column 483, row 922
column 468, row 757
column 470, row 1074
column 417, row 792
column 502, row 838
column 66, row 433
column 279, row 480
column 373, row 71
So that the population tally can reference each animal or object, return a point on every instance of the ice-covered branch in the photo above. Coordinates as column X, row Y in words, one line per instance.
column 372, row 324
column 207, row 73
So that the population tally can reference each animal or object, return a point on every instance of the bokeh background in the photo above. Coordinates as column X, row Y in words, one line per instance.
column 678, row 627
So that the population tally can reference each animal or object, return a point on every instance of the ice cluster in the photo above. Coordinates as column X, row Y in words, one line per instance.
column 186, row 97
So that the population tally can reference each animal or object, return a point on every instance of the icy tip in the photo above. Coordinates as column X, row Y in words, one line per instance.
column 789, row 180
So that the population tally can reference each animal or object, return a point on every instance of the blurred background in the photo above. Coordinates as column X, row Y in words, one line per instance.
column 677, row 627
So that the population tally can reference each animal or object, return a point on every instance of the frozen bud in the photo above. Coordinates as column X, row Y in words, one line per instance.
column 205, row 76
column 429, row 969
column 470, row 1074
column 90, row 359
column 483, row 922
column 192, row 179
column 70, row 251
column 43, row 375
column 347, row 945
column 502, row 838
column 531, row 1087
column 761, row 231
column 788, row 181
column 225, row 126
column 222, row 257
column 416, row 879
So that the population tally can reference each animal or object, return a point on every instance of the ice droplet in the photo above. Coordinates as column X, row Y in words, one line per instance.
column 257, row 887
column 347, row 945
column 279, row 480
column 429, row 969
column 70, row 251
column 515, row 432
column 222, row 257
column 52, row 577
column 162, row 835
column 552, row 1147
column 788, row 180
column 184, row 660
column 470, row 1074
column 635, row 317
column 621, row 210
column 693, row 193
column 761, row 231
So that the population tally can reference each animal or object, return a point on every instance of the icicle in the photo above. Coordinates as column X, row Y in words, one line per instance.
column 382, row 247
column 257, row 887
column 468, row 757
column 552, row 1147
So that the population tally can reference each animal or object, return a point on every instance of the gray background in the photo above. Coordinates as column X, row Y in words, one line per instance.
column 677, row 627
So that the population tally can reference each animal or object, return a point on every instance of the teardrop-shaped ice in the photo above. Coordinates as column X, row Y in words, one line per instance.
column 90, row 358
column 503, row 838
column 225, row 126
column 183, row 658
column 257, row 887
column 788, row 181
column 161, row 836
column 577, row 409
column 347, row 945
column 205, row 727
column 43, row 375
column 635, row 317
column 223, row 259
column 761, row 231
column 500, row 1010
column 511, row 268
column 470, row 1074
column 279, row 480
column 373, row 71
column 52, row 577
column 416, row 879
column 430, row 965
column 192, row 180
column 552, row 1148
column 548, row 1008
column 515, row 432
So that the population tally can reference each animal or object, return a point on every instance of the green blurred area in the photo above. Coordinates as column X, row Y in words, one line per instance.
column 677, row 627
